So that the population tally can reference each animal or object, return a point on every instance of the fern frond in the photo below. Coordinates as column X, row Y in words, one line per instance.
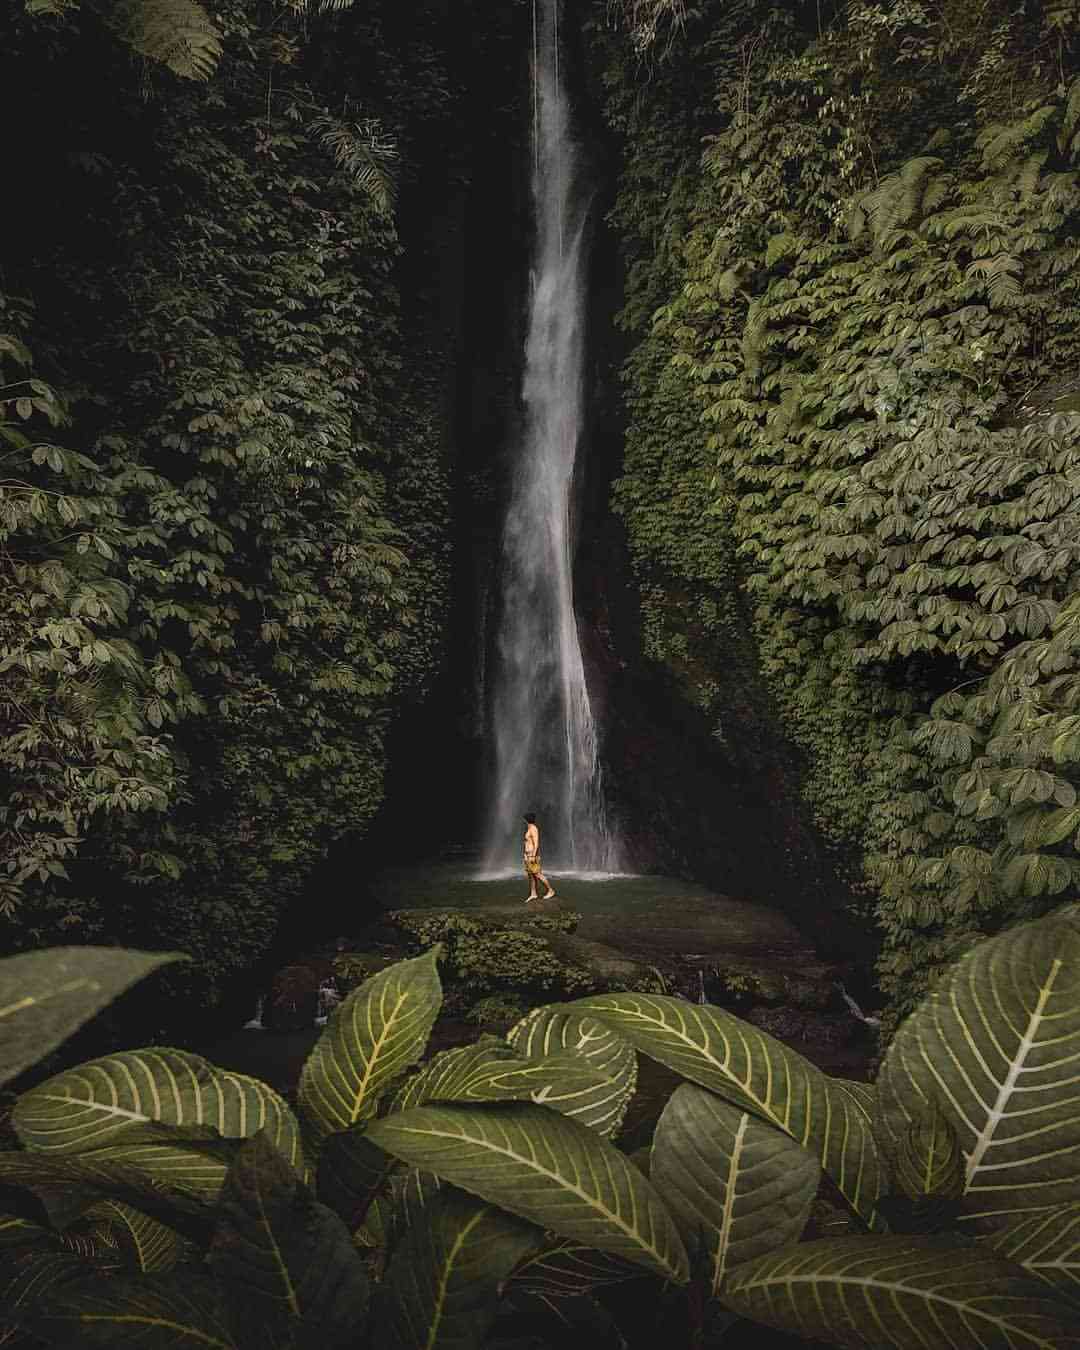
column 856, row 222
column 50, row 6
column 364, row 152
column 937, row 189
column 178, row 33
column 877, row 206
column 1001, row 273
column 1071, row 119
column 754, row 336
column 1027, row 178
column 963, row 219
column 1001, row 144
column 781, row 246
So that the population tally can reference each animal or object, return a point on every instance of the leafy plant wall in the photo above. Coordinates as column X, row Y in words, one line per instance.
column 226, row 507
column 853, row 456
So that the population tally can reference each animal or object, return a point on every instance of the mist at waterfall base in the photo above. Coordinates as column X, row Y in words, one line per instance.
column 545, row 738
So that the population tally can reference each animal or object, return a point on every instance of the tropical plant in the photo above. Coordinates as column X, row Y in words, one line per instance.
column 415, row 1206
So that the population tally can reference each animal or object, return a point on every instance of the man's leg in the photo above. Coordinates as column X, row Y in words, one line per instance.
column 550, row 888
column 532, row 886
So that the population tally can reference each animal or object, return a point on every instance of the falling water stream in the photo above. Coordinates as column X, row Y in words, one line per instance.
column 544, row 733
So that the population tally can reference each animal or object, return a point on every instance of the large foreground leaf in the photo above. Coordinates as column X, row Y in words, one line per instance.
column 870, row 1293
column 151, row 1312
column 544, row 1167
column 996, row 1048
column 98, row 1105
column 374, row 1035
column 68, row 1186
column 16, row 1231
column 443, row 1284
column 45, row 996
column 26, row 1282
column 147, row 1244
column 552, row 1031
column 736, row 1187
column 489, row 1071
column 352, row 1172
column 757, row 1073
column 570, row 1270
column 289, row 1258
column 1046, row 1243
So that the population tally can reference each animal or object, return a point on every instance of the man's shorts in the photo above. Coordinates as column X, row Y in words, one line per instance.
column 532, row 866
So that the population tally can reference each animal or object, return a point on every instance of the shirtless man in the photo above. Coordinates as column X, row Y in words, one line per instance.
column 532, row 861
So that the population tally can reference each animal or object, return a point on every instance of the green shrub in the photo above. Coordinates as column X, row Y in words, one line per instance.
column 412, row 1211
column 486, row 957
column 496, row 1010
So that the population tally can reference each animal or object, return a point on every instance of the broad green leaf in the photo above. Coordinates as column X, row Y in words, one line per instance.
column 99, row 1105
column 19, row 1232
column 444, row 1280
column 352, row 1172
column 757, row 1073
column 736, row 1187
column 928, row 1174
column 45, row 996
column 862, row 1094
column 904, row 1293
column 564, row 1322
column 177, row 1310
column 570, row 1269
column 380, row 1030
column 552, row 1032
column 995, row 1048
column 489, row 1071
column 1046, row 1243
column 25, row 1282
column 544, row 1167
column 87, row 1238
column 290, row 1259
column 68, row 1186
column 147, row 1244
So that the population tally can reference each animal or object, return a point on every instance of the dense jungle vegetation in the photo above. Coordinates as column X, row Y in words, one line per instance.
column 850, row 236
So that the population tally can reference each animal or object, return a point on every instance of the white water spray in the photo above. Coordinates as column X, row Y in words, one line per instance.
column 545, row 737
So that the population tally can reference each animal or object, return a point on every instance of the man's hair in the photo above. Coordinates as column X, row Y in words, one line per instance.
column 530, row 819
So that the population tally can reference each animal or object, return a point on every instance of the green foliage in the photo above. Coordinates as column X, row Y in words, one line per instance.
column 215, row 608
column 181, row 34
column 79, row 738
column 487, row 1184
column 485, row 958
column 851, row 411
column 500, row 1010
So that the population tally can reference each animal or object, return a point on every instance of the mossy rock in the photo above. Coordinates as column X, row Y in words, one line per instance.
column 546, row 916
column 424, row 927
column 606, row 967
column 741, row 984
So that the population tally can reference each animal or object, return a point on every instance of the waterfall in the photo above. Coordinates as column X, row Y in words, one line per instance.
column 544, row 734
